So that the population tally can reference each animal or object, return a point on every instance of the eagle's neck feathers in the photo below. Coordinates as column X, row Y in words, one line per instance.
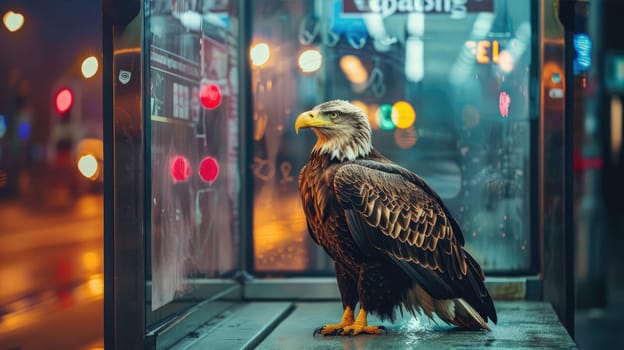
column 344, row 147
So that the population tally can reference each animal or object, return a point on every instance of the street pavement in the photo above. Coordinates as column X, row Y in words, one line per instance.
column 51, row 277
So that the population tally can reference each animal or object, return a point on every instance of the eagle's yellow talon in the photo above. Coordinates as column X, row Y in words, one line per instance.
column 336, row 329
column 329, row 329
column 349, row 326
column 356, row 329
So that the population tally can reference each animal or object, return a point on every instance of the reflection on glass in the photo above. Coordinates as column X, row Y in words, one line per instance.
column 194, row 129
column 446, row 89
column 310, row 60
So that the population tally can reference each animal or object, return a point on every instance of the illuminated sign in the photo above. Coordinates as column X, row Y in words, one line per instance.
column 485, row 51
column 389, row 7
column 583, row 48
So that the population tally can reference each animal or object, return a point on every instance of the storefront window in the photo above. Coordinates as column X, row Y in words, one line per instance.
column 447, row 87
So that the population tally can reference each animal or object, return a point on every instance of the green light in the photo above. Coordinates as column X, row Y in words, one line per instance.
column 384, row 117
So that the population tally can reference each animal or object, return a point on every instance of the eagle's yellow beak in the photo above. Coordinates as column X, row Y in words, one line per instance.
column 311, row 119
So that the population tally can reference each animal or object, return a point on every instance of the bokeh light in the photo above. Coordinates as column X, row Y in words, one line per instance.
column 259, row 54
column 403, row 115
column 405, row 138
column 96, row 284
column 209, row 169
column 64, row 100
column 353, row 69
column 553, row 75
column 3, row 126
column 210, row 96
column 506, row 61
column 13, row 21
column 383, row 117
column 372, row 116
column 89, row 67
column 23, row 130
column 88, row 166
column 503, row 104
column 94, row 149
column 310, row 60
column 180, row 169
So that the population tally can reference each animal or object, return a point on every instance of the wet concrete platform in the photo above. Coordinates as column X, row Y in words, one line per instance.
column 285, row 325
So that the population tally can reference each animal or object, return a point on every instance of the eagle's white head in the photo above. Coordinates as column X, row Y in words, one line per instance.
column 342, row 129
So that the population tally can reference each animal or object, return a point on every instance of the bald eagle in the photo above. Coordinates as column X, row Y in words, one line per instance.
column 394, row 243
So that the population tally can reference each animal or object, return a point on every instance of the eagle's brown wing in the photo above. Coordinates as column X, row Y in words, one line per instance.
column 392, row 212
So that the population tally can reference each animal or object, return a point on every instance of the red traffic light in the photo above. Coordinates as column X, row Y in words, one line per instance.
column 64, row 100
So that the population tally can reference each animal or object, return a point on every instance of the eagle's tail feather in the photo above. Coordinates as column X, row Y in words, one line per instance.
column 468, row 316
column 452, row 311
column 460, row 313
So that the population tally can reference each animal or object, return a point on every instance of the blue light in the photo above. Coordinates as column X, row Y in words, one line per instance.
column 2, row 126
column 351, row 27
column 582, row 42
column 583, row 47
column 23, row 130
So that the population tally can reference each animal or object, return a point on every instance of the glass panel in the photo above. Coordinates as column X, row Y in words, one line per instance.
column 193, row 91
column 446, row 87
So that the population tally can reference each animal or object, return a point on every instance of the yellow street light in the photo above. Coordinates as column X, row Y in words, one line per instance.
column 13, row 21
column 89, row 67
column 88, row 166
column 259, row 54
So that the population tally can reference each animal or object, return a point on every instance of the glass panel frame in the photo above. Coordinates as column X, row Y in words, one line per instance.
column 124, row 283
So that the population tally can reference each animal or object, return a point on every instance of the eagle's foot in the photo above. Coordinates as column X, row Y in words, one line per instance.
column 330, row 329
column 356, row 329
column 336, row 329
column 360, row 326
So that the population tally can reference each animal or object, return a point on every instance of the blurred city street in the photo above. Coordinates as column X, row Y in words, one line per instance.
column 51, row 276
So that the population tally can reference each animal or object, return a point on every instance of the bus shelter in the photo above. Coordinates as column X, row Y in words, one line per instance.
column 206, row 242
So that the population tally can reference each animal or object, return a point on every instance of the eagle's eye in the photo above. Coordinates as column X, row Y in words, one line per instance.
column 333, row 115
